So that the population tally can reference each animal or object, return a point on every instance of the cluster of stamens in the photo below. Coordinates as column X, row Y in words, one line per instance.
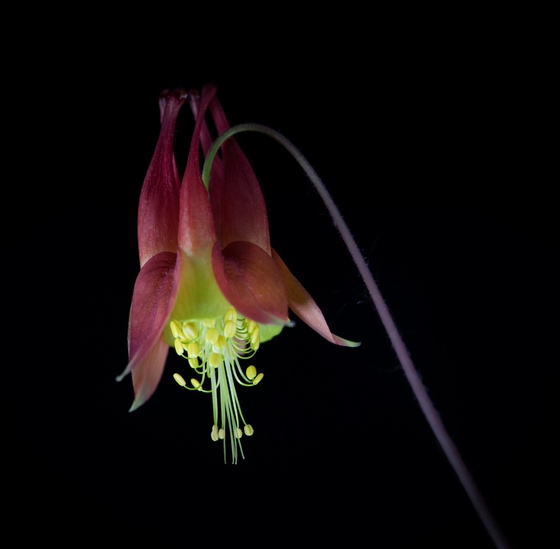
column 213, row 348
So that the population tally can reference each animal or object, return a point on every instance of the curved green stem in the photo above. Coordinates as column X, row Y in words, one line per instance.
column 426, row 405
column 218, row 143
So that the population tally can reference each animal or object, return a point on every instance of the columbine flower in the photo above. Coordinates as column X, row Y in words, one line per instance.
column 210, row 285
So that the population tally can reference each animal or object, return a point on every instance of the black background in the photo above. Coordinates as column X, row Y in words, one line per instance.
column 431, row 142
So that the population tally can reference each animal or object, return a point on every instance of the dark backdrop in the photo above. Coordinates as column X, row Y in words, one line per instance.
column 431, row 145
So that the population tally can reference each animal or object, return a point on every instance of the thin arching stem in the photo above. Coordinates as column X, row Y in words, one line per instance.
column 399, row 346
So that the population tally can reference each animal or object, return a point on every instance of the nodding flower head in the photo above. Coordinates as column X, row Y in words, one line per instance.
column 210, row 284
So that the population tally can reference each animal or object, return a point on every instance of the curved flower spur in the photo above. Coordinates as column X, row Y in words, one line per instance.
column 210, row 284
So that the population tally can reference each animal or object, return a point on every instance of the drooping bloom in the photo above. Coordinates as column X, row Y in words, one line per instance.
column 210, row 284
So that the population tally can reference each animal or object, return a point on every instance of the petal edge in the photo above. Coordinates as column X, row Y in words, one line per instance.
column 303, row 305
column 153, row 298
column 251, row 282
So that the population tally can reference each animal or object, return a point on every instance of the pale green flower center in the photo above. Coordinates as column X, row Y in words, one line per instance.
column 213, row 348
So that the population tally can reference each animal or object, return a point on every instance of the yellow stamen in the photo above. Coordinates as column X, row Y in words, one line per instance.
column 230, row 329
column 215, row 348
column 193, row 349
column 179, row 379
column 221, row 342
column 179, row 346
column 231, row 316
column 215, row 360
column 211, row 335
column 255, row 340
column 258, row 379
column 196, row 384
column 174, row 328
column 251, row 325
column 190, row 330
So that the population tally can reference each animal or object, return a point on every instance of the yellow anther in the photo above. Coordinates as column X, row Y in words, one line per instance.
column 230, row 316
column 178, row 346
column 251, row 325
column 215, row 360
column 190, row 330
column 230, row 329
column 258, row 378
column 175, row 330
column 213, row 348
column 220, row 342
column 193, row 349
column 196, row 384
column 211, row 335
column 179, row 379
column 255, row 340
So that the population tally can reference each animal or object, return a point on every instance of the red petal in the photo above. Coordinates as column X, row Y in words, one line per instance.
column 251, row 282
column 206, row 138
column 236, row 196
column 153, row 299
column 147, row 373
column 302, row 304
column 196, row 225
column 158, row 209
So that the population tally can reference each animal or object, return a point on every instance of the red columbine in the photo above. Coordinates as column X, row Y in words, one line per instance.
column 210, row 285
